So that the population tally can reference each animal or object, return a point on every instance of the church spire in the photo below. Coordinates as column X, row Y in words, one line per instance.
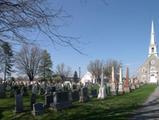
column 152, row 41
column 153, row 46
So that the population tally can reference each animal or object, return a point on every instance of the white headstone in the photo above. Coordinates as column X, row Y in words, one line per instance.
column 120, row 88
column 102, row 89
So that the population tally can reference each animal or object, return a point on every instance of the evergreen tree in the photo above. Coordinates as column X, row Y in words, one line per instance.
column 45, row 66
column 75, row 76
column 6, row 59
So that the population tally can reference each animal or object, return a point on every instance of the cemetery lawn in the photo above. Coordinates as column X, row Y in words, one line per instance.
column 113, row 107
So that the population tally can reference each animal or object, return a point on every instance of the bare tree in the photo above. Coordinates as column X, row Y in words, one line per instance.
column 63, row 70
column 108, row 68
column 95, row 68
column 18, row 18
column 27, row 61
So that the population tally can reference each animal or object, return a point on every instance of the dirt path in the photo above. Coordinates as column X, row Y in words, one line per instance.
column 150, row 109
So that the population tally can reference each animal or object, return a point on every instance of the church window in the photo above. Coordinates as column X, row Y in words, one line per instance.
column 152, row 49
column 143, row 70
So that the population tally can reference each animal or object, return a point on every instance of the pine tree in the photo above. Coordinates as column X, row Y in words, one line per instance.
column 45, row 66
column 6, row 59
column 75, row 76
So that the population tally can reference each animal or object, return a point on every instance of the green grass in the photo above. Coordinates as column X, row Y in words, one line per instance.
column 113, row 107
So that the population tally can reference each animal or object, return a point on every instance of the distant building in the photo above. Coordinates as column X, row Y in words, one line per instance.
column 149, row 71
column 87, row 78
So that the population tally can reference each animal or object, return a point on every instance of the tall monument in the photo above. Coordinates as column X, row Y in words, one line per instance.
column 102, row 90
column 120, row 87
column 113, row 86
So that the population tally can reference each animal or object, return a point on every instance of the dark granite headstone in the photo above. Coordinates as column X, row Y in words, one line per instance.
column 84, row 96
column 38, row 109
column 2, row 91
column 12, row 93
column 48, row 100
column 25, row 91
column 18, row 103
column 61, row 100
column 94, row 93
column 75, row 95
column 33, row 100
column 53, row 89
column 42, row 91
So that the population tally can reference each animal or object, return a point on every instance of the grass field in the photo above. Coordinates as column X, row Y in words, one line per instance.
column 112, row 108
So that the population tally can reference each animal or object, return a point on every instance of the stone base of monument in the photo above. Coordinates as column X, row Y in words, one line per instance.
column 132, row 87
column 113, row 89
column 137, row 85
column 120, row 89
column 102, row 93
column 38, row 109
column 126, row 89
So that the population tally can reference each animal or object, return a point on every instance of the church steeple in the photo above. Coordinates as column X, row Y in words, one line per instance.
column 153, row 46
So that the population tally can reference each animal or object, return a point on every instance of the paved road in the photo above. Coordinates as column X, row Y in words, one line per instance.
column 150, row 109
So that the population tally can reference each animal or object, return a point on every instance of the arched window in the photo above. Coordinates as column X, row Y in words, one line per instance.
column 152, row 49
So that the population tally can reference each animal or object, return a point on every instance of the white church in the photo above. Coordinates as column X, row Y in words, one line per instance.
column 149, row 71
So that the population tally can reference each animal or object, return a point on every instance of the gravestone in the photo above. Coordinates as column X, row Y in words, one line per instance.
column 47, row 90
column 94, row 92
column 126, row 82
column 113, row 85
column 18, row 103
column 12, row 92
column 25, row 91
column 53, row 89
column 75, row 95
column 84, row 94
column 48, row 100
column 2, row 91
column 34, row 89
column 41, row 91
column 102, row 90
column 61, row 100
column 38, row 109
column 33, row 100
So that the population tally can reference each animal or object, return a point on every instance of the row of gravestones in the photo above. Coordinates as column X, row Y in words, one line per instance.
column 12, row 89
column 57, row 101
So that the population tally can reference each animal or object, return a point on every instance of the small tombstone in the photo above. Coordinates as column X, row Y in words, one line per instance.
column 25, row 91
column 75, row 95
column 33, row 100
column 34, row 89
column 8, row 88
column 38, row 109
column 53, row 89
column 47, row 90
column 48, row 100
column 12, row 93
column 18, row 103
column 84, row 94
column 94, row 92
column 30, row 86
column 61, row 100
column 2, row 91
column 42, row 91
column 108, row 87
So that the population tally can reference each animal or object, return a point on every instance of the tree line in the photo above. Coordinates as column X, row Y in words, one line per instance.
column 33, row 62
column 95, row 68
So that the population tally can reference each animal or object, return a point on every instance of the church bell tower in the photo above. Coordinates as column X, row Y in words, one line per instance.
column 153, row 45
